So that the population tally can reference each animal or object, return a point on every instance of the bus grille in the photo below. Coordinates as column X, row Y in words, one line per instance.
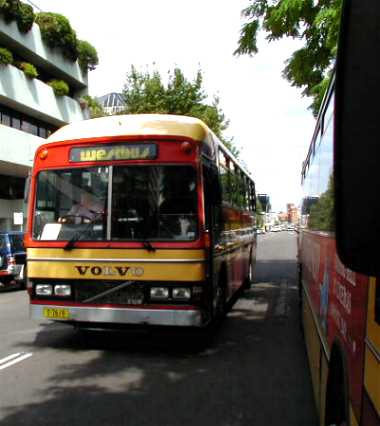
column 106, row 292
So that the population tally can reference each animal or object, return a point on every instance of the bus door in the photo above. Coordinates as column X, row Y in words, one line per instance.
column 213, row 224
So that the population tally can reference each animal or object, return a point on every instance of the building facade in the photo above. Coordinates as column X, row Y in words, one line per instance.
column 293, row 214
column 30, row 110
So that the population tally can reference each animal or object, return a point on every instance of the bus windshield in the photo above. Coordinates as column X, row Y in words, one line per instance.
column 117, row 203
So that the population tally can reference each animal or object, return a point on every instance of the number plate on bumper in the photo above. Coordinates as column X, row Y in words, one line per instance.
column 56, row 313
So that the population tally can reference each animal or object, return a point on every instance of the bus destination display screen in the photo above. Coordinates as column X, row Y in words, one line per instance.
column 114, row 152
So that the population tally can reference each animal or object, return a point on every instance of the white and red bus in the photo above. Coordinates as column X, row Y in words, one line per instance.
column 138, row 219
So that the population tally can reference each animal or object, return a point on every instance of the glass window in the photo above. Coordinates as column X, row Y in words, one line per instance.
column 2, row 242
column 325, row 158
column 329, row 113
column 16, row 123
column 11, row 187
column 223, row 159
column 42, row 132
column 71, row 202
column 29, row 127
column 148, row 202
column 157, row 202
column 5, row 119
column 17, row 242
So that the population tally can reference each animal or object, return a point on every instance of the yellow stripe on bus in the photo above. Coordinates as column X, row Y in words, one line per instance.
column 371, row 379
column 159, row 254
column 108, row 271
column 162, row 265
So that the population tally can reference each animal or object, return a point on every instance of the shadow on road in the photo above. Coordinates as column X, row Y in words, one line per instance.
column 251, row 371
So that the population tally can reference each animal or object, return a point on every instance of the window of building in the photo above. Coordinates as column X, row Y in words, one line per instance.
column 5, row 119
column 12, row 187
column 23, row 122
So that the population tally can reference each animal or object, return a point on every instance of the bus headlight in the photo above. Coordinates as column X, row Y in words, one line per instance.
column 181, row 293
column 159, row 293
column 44, row 289
column 62, row 290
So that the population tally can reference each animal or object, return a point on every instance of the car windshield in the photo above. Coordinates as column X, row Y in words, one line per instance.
column 117, row 203
column 17, row 242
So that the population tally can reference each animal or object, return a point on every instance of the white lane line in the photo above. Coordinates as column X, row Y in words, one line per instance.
column 13, row 359
column 8, row 358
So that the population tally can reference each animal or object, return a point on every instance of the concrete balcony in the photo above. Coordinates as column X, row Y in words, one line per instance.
column 17, row 150
column 37, row 99
column 31, row 47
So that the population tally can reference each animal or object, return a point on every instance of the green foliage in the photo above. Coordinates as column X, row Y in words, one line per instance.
column 29, row 69
column 315, row 22
column 144, row 92
column 9, row 9
column 15, row 10
column 25, row 17
column 87, row 56
column 6, row 56
column 60, row 87
column 322, row 212
column 94, row 106
column 56, row 31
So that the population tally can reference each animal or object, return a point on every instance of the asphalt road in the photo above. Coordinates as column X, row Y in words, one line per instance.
column 251, row 371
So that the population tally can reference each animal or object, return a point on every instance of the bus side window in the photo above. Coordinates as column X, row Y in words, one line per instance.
column 225, row 177
column 212, row 201
column 252, row 197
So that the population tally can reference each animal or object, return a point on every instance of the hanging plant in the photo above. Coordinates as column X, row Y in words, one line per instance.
column 6, row 56
column 9, row 9
column 56, row 31
column 25, row 17
column 60, row 87
column 29, row 69
column 87, row 56
column 15, row 10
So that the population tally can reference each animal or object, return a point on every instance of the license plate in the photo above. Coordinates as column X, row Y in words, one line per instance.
column 56, row 313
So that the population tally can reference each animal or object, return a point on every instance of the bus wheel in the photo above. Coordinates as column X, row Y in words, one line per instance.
column 336, row 400
column 249, row 280
column 220, row 304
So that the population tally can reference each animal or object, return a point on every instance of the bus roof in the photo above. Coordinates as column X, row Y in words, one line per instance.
column 142, row 124
column 133, row 124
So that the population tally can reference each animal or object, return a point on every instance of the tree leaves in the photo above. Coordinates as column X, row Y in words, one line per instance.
column 144, row 92
column 314, row 21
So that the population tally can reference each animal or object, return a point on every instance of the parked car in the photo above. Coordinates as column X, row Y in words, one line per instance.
column 12, row 259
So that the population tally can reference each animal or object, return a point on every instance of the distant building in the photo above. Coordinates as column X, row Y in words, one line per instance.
column 30, row 111
column 265, row 202
column 112, row 103
column 293, row 213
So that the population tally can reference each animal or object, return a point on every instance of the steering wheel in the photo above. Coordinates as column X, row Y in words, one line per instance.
column 74, row 219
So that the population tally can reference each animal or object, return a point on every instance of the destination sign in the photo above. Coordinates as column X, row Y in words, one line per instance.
column 114, row 152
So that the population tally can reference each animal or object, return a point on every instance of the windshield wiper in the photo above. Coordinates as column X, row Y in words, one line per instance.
column 148, row 245
column 145, row 242
column 77, row 236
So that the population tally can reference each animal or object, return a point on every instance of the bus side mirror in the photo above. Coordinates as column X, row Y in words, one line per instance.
column 357, row 137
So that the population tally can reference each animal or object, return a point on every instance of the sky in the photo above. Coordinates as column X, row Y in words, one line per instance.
column 269, row 120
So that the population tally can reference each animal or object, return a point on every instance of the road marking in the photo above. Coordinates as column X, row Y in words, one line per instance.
column 13, row 359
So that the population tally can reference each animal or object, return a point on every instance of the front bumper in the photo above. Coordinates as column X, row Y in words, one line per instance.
column 110, row 315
